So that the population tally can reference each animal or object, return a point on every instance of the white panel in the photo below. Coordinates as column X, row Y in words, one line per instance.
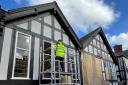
column 65, row 39
column 95, row 51
column 5, row 54
column 72, row 44
column 86, row 49
column 98, row 37
column 23, row 25
column 90, row 49
column 94, row 42
column 47, row 31
column 36, row 27
column 36, row 59
column 57, row 35
column 48, row 20
column 57, row 25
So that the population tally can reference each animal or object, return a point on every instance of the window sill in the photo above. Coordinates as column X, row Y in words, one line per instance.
column 20, row 78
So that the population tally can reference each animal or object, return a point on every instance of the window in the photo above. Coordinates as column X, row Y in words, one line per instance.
column 46, row 60
column 22, row 55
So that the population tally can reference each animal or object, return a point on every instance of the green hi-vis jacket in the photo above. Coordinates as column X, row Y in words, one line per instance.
column 59, row 50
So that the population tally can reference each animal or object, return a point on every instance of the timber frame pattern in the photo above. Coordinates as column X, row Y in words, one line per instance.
column 13, row 16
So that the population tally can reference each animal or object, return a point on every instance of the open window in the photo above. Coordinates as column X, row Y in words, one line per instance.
column 46, row 59
column 22, row 56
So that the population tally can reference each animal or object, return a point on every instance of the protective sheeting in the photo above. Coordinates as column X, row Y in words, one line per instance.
column 92, row 71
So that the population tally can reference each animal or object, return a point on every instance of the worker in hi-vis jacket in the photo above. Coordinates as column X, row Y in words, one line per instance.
column 60, row 53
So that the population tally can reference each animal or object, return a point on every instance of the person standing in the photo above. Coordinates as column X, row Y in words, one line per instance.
column 60, row 53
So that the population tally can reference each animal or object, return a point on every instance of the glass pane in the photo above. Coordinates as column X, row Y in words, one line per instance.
column 57, row 35
column 47, row 31
column 47, row 48
column 21, row 63
column 48, row 20
column 23, row 41
column 47, row 75
column 47, row 57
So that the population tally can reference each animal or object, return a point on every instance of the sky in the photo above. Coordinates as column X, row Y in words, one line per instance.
column 87, row 15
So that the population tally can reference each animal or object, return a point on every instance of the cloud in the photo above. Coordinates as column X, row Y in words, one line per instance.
column 122, row 38
column 17, row 1
column 84, row 15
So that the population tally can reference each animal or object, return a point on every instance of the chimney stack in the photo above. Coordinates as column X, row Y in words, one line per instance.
column 118, row 48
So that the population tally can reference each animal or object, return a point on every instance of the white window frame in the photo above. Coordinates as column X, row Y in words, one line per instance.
column 28, row 68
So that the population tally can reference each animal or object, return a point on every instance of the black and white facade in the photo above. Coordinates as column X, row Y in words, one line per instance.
column 24, row 39
column 122, row 58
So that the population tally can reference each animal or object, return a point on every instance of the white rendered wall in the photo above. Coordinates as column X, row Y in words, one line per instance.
column 5, row 54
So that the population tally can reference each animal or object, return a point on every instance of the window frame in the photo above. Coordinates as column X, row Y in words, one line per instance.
column 42, row 56
column 14, row 60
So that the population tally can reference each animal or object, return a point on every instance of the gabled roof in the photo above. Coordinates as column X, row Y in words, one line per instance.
column 89, row 37
column 21, row 13
column 123, row 53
